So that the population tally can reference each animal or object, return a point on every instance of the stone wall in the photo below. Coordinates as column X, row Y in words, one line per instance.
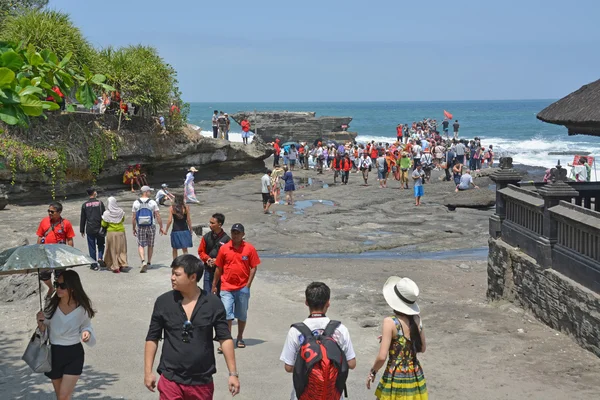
column 556, row 300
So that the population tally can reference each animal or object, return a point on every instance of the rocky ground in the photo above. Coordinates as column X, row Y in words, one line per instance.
column 476, row 349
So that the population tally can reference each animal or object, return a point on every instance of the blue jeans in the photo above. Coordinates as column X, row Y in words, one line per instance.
column 93, row 241
column 209, row 276
column 236, row 303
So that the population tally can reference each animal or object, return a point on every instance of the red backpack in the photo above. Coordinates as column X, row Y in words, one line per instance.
column 321, row 367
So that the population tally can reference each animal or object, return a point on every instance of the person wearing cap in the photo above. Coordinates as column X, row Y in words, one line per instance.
column 129, row 177
column 236, row 267
column 402, row 338
column 144, row 228
column 276, row 152
column 189, row 192
column 163, row 195
column 90, row 223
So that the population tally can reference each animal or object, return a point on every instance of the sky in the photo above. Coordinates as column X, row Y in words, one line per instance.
column 357, row 50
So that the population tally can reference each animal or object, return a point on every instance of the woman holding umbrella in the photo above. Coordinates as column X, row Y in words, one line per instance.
column 68, row 317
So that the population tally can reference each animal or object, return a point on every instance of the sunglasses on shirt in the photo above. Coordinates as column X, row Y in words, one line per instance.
column 187, row 331
column 60, row 285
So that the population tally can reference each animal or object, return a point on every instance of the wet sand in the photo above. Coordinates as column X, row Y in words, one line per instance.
column 476, row 349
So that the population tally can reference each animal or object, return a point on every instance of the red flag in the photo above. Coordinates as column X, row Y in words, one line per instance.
column 447, row 115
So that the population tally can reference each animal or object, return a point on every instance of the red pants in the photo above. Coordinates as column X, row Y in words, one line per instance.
column 170, row 390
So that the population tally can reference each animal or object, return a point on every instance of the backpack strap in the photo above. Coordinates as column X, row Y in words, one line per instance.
column 331, row 327
column 303, row 329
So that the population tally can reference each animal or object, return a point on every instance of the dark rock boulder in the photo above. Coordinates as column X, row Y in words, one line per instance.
column 473, row 198
column 296, row 126
column 3, row 197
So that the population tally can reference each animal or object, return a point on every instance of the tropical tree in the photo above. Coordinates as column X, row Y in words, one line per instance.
column 141, row 76
column 51, row 30
column 28, row 78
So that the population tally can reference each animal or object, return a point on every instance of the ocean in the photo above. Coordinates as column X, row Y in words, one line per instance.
column 509, row 125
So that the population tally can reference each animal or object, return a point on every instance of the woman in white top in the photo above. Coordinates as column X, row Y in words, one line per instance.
column 68, row 317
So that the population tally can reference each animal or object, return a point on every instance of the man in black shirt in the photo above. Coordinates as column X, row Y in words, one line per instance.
column 455, row 126
column 89, row 223
column 209, row 248
column 187, row 317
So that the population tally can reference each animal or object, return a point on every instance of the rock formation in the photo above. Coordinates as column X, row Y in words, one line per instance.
column 165, row 157
column 296, row 126
column 3, row 197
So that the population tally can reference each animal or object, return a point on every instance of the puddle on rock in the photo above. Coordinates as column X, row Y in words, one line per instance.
column 282, row 215
column 301, row 205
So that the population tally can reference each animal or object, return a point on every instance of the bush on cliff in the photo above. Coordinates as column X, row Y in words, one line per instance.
column 10, row 7
column 146, row 80
column 52, row 30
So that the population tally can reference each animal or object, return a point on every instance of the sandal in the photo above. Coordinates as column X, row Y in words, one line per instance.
column 220, row 350
column 240, row 344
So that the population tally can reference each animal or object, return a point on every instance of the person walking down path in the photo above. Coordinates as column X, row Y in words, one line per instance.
column 276, row 182
column 405, row 163
column 68, row 318
column 145, row 211
column 189, row 192
column 186, row 319
column 180, row 217
column 267, row 191
column 54, row 230
column 318, row 324
column 364, row 165
column 90, row 223
column 236, row 267
column 209, row 249
column 402, row 338
column 418, row 176
column 346, row 168
column 113, row 220
column 290, row 187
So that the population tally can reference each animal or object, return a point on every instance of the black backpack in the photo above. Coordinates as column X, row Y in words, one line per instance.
column 321, row 368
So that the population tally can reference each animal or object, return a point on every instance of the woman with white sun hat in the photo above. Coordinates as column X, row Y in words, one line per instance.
column 402, row 338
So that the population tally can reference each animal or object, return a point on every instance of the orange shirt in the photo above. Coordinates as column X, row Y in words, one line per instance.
column 236, row 264
column 59, row 234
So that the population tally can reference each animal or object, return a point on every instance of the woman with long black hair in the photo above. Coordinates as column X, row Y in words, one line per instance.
column 181, row 235
column 401, row 339
column 68, row 317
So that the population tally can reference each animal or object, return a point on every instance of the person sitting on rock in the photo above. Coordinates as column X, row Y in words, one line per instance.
column 129, row 177
column 466, row 182
column 140, row 176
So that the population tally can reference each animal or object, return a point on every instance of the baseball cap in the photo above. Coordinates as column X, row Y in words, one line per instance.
column 238, row 227
column 164, row 185
column 146, row 189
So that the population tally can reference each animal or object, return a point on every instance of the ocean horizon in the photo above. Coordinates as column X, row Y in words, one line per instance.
column 510, row 125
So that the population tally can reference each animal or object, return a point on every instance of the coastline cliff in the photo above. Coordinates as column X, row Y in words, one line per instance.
column 296, row 126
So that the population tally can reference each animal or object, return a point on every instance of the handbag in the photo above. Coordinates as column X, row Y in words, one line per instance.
column 37, row 354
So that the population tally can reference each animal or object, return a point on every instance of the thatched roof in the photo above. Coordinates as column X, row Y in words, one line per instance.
column 579, row 111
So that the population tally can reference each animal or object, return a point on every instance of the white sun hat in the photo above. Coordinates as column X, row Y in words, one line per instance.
column 401, row 294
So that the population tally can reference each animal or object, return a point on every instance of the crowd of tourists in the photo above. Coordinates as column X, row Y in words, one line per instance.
column 227, row 266
column 418, row 150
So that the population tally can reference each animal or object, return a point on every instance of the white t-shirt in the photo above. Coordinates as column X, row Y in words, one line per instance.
column 266, row 182
column 151, row 204
column 160, row 194
column 295, row 339
column 465, row 181
column 66, row 330
column 416, row 149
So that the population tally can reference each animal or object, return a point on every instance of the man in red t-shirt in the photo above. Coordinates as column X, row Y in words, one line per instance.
column 52, row 230
column 236, row 267
column 276, row 153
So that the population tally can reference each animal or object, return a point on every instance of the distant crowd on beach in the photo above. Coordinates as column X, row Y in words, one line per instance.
column 418, row 150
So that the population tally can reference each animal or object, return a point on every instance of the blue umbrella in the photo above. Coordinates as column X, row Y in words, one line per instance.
column 36, row 257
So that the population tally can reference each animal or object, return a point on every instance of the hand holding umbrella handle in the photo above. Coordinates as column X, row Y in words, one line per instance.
column 40, row 320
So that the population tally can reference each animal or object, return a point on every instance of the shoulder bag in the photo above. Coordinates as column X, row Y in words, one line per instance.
column 37, row 354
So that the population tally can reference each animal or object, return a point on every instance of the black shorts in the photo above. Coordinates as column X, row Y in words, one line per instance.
column 267, row 198
column 66, row 360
